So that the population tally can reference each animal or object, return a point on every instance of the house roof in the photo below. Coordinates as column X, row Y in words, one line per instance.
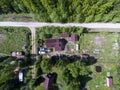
column 49, row 80
column 98, row 68
column 109, row 81
column 85, row 56
column 65, row 35
column 58, row 44
column 74, row 37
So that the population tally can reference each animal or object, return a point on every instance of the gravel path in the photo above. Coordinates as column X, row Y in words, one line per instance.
column 41, row 24
column 33, row 35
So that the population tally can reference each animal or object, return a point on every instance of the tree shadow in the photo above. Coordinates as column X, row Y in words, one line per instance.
column 89, row 60
column 84, row 80
column 38, row 81
column 86, row 30
column 3, row 58
column 64, row 58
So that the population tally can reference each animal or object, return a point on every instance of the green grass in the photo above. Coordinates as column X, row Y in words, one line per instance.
column 14, row 39
column 107, row 62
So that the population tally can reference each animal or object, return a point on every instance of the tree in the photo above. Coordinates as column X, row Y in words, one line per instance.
column 46, row 65
column 77, row 69
column 38, row 70
column 73, row 74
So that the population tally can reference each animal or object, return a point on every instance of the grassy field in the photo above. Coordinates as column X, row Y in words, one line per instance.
column 12, row 39
column 106, row 45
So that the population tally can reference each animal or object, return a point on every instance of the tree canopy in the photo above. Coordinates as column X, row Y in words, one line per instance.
column 65, row 10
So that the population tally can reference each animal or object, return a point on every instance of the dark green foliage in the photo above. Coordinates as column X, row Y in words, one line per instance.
column 38, row 70
column 73, row 74
column 64, row 10
column 46, row 65
column 49, row 32
column 7, row 81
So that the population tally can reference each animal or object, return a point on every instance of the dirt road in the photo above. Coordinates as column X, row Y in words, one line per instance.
column 112, row 27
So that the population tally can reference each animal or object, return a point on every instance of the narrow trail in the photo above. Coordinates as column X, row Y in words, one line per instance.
column 33, row 51
column 33, row 36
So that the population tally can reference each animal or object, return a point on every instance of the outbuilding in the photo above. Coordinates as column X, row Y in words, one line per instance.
column 49, row 81
column 98, row 69
column 109, row 81
column 74, row 37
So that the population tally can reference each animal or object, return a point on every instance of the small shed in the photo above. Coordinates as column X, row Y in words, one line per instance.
column 109, row 81
column 85, row 56
column 49, row 81
column 74, row 37
column 98, row 69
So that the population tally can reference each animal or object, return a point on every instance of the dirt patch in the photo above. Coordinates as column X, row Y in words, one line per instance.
column 99, row 41
column 2, row 37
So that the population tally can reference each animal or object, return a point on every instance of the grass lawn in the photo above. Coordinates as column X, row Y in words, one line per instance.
column 12, row 39
column 105, row 45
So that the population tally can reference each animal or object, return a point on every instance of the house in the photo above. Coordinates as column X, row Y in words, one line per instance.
column 49, row 81
column 17, row 54
column 65, row 35
column 109, row 81
column 58, row 44
column 74, row 37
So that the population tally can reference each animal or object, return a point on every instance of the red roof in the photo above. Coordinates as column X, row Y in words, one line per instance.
column 98, row 68
column 58, row 44
column 109, row 81
column 65, row 35
column 74, row 37
column 49, row 80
